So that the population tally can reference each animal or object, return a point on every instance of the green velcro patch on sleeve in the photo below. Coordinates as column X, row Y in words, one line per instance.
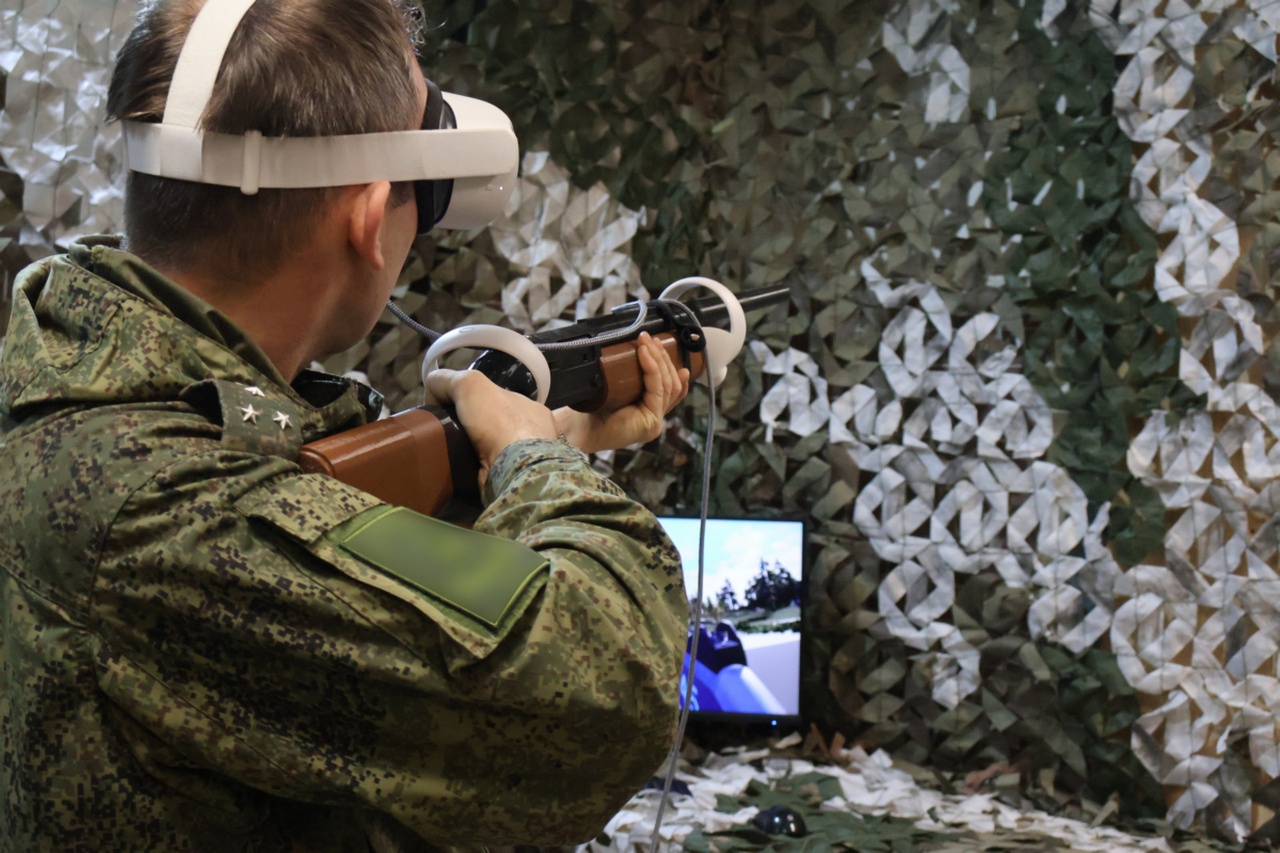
column 479, row 574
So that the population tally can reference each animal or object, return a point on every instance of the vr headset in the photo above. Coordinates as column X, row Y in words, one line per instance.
column 463, row 161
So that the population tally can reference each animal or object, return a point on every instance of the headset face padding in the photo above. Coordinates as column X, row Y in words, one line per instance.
column 433, row 196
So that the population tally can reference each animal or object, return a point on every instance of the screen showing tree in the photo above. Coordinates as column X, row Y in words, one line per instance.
column 748, row 655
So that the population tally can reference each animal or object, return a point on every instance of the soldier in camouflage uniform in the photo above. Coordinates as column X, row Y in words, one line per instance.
column 204, row 649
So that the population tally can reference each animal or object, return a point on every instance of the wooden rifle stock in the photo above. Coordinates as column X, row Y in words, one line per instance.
column 421, row 458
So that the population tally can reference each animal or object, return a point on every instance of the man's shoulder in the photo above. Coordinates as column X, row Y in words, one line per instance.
column 71, row 472
column 90, row 459
column 124, row 439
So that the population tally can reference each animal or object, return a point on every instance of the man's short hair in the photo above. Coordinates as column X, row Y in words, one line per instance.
column 294, row 68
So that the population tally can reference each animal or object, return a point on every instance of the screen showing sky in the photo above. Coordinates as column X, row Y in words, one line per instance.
column 734, row 550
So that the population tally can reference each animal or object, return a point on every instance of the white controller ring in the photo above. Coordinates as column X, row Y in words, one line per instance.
column 722, row 346
column 497, row 338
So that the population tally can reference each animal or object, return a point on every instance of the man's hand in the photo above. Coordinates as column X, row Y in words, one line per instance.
column 664, row 388
column 492, row 417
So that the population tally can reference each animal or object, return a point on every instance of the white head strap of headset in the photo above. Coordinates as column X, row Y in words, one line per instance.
column 482, row 147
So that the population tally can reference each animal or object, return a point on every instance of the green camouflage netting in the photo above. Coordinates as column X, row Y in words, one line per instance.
column 1025, row 385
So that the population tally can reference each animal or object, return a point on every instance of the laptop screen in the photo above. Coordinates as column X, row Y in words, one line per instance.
column 748, row 656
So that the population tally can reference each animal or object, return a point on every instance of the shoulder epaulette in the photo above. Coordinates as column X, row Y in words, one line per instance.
column 251, row 420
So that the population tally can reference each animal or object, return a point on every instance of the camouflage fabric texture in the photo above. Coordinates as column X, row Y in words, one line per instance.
column 193, row 662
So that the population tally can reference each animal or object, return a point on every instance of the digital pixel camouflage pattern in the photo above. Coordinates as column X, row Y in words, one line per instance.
column 192, row 661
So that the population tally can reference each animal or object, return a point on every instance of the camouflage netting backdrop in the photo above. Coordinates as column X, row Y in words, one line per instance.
column 1025, row 388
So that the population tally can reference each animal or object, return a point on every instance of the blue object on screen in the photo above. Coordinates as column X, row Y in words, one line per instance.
column 748, row 661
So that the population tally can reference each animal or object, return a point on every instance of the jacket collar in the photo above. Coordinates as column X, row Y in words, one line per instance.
column 99, row 326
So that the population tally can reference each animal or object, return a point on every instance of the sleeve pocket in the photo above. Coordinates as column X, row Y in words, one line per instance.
column 471, row 586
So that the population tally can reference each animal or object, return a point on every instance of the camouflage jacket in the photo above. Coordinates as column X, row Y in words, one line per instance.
column 202, row 648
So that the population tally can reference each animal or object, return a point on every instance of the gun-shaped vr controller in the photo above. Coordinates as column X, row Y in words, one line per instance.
column 422, row 459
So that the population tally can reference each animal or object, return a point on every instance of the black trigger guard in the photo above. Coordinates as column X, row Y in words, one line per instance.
column 507, row 372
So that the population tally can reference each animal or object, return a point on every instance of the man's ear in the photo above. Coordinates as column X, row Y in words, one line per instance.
column 367, row 208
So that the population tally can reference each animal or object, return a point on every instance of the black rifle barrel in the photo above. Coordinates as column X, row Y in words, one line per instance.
column 710, row 311
column 575, row 372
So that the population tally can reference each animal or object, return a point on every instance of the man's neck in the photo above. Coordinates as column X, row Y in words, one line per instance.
column 320, row 297
column 279, row 313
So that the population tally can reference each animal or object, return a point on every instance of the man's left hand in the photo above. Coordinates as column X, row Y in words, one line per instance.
column 664, row 388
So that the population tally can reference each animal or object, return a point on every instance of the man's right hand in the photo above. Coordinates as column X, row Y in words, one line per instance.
column 492, row 417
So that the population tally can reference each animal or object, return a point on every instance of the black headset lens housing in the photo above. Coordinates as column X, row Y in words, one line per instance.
column 433, row 196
